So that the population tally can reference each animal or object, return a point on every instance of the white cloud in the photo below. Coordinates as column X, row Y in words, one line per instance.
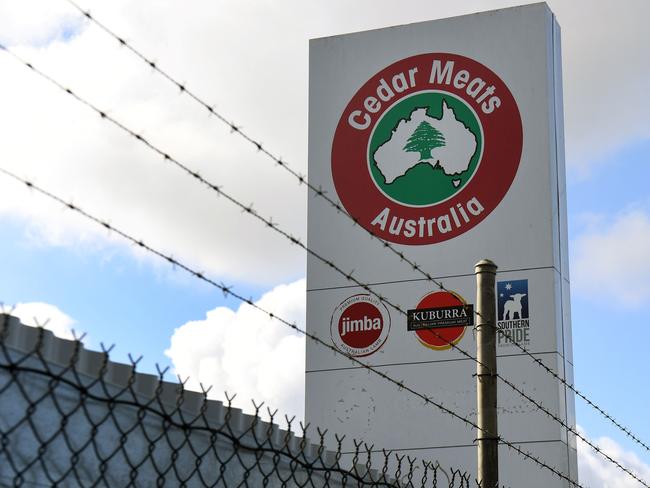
column 70, row 150
column 250, row 59
column 611, row 259
column 247, row 353
column 597, row 472
column 604, row 77
column 39, row 314
column 36, row 22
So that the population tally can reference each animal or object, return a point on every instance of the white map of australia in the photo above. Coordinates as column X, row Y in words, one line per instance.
column 453, row 156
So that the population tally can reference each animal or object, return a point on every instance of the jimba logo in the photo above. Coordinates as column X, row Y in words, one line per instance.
column 427, row 148
column 360, row 325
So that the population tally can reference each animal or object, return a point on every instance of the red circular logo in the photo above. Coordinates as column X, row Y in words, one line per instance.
column 440, row 338
column 360, row 325
column 427, row 148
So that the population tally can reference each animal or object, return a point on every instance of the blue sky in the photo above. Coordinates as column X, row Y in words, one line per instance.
column 104, row 289
column 616, row 181
column 610, row 337
column 50, row 256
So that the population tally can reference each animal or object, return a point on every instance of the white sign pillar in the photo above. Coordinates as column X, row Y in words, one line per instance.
column 443, row 139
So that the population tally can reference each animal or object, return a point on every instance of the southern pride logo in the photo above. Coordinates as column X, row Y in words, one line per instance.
column 513, row 316
column 427, row 148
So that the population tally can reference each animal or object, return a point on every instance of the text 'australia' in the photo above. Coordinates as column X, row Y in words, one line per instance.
column 456, row 217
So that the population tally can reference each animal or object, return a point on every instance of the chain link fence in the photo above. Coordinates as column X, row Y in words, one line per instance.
column 71, row 417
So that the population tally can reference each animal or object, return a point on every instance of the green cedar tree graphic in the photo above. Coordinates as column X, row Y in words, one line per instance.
column 424, row 138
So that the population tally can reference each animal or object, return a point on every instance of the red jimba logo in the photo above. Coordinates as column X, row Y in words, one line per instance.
column 360, row 325
column 441, row 338
column 427, row 148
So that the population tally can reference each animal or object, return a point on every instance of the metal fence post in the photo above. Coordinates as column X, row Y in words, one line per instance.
column 486, row 369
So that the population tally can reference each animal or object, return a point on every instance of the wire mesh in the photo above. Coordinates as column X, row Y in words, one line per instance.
column 71, row 417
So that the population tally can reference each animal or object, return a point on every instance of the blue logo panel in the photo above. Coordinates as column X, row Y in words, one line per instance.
column 512, row 300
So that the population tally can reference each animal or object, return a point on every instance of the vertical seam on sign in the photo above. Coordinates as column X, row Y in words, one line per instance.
column 554, row 31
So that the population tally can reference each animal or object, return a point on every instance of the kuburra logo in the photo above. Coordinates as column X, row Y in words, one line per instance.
column 360, row 325
column 427, row 148
column 440, row 339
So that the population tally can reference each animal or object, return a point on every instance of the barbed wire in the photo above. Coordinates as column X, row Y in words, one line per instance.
column 248, row 209
column 574, row 431
column 226, row 290
column 213, row 187
column 245, row 208
column 301, row 178
column 400, row 384
column 319, row 192
column 235, row 129
column 541, row 364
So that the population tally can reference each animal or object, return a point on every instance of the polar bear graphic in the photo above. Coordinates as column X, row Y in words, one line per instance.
column 513, row 306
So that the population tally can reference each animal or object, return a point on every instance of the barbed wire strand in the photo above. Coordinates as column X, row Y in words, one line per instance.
column 228, row 291
column 268, row 222
column 302, row 179
column 572, row 430
column 591, row 403
column 319, row 192
column 248, row 209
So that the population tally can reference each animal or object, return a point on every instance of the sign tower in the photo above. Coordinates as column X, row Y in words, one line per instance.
column 444, row 141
